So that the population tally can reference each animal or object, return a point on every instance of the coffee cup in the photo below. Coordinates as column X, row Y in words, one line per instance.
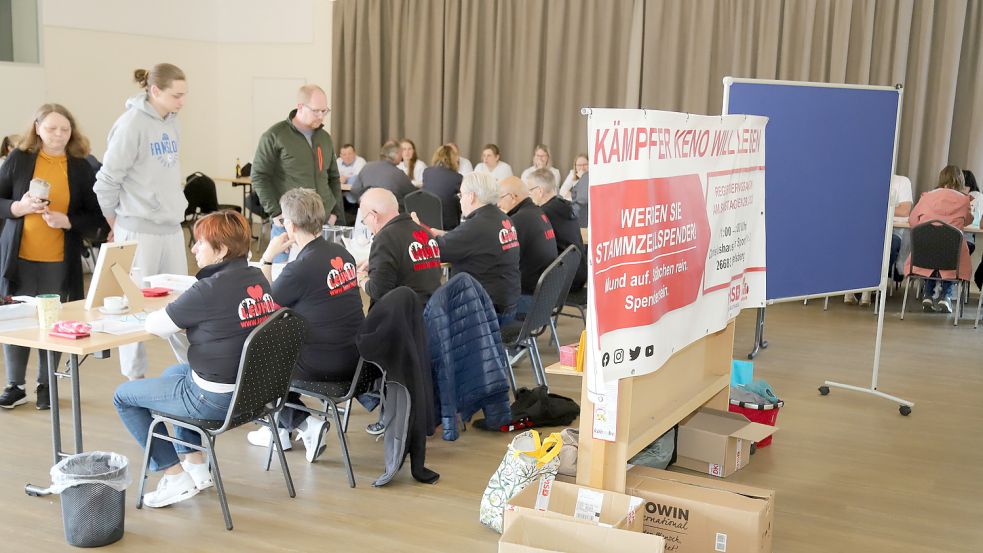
column 113, row 303
column 49, row 306
column 40, row 189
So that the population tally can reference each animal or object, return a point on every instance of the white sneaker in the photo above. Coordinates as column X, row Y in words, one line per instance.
column 865, row 299
column 312, row 432
column 928, row 304
column 849, row 299
column 261, row 437
column 200, row 473
column 944, row 306
column 170, row 490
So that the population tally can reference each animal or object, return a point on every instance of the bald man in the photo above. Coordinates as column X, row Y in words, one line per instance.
column 402, row 254
column 537, row 242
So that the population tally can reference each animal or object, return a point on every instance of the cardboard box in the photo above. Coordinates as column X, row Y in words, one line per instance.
column 718, row 443
column 698, row 515
column 552, row 499
column 536, row 534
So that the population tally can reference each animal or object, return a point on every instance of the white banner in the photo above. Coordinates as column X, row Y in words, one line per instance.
column 677, row 237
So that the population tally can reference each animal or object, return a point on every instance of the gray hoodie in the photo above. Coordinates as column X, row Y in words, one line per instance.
column 140, row 181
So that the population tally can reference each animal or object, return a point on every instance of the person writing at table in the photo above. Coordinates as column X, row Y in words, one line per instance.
column 320, row 286
column 218, row 312
column 948, row 204
column 41, row 242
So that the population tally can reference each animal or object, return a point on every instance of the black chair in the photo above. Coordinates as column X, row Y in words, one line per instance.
column 331, row 394
column 937, row 246
column 427, row 206
column 267, row 360
column 202, row 196
column 577, row 299
column 571, row 263
column 519, row 337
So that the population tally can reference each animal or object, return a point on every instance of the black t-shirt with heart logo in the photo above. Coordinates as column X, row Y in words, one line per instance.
column 403, row 254
column 219, row 311
column 486, row 246
column 537, row 242
column 321, row 285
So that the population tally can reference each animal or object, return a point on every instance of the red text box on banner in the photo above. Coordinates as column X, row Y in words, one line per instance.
column 650, row 239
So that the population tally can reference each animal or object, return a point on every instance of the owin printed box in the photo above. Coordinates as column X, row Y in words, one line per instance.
column 702, row 515
column 530, row 533
column 552, row 499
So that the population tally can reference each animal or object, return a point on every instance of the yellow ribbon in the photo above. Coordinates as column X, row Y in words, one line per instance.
column 543, row 451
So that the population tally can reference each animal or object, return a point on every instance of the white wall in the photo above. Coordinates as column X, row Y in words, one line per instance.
column 240, row 57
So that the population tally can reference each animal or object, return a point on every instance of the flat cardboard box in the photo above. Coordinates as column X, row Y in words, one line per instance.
column 718, row 443
column 530, row 533
column 696, row 514
column 552, row 499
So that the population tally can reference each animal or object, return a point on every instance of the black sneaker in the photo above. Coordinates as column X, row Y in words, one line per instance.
column 43, row 402
column 12, row 396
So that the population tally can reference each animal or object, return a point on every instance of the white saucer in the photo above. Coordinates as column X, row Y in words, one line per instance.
column 105, row 311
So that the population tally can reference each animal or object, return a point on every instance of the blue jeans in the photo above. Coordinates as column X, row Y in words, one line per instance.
column 523, row 306
column 277, row 230
column 173, row 392
column 929, row 290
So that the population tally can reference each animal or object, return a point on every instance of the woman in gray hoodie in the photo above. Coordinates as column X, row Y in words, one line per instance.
column 139, row 185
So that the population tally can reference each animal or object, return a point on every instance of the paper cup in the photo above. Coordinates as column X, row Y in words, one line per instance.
column 40, row 189
column 49, row 306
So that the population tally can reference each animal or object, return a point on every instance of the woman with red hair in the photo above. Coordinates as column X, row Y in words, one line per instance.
column 218, row 312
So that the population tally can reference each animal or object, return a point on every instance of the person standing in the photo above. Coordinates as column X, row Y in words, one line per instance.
column 298, row 153
column 41, row 242
column 139, row 187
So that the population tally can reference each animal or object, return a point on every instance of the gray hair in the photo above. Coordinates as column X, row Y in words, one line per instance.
column 483, row 186
column 305, row 208
column 390, row 151
column 543, row 178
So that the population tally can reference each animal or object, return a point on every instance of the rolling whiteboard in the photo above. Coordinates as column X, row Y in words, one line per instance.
column 829, row 156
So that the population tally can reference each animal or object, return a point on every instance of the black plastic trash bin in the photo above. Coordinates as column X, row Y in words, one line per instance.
column 93, row 497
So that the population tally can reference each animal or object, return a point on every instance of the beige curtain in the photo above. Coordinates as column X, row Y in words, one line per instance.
column 517, row 72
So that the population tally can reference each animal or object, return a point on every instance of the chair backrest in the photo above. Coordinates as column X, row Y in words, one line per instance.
column 199, row 190
column 246, row 170
column 571, row 264
column 427, row 206
column 936, row 245
column 267, row 361
column 548, row 290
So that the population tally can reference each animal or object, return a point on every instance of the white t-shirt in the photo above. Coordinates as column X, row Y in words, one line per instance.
column 554, row 170
column 502, row 170
column 348, row 171
column 417, row 176
column 900, row 189
column 464, row 166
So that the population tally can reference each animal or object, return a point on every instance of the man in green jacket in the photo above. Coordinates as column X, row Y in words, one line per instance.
column 299, row 153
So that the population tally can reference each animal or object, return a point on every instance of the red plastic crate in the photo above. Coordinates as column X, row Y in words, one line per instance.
column 765, row 414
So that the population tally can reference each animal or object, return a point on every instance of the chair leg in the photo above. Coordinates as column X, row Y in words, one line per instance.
column 511, row 376
column 209, row 442
column 979, row 306
column 344, row 443
column 146, row 462
column 959, row 300
column 553, row 333
column 537, row 362
column 348, row 414
column 904, row 302
column 283, row 459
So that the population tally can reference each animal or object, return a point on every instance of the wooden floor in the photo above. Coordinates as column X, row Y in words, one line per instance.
column 851, row 474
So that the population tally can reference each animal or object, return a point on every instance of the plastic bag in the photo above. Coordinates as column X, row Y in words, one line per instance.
column 93, row 467
column 526, row 461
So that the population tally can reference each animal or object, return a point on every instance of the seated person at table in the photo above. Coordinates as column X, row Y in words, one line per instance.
column 320, row 286
column 402, row 254
column 950, row 205
column 485, row 244
column 541, row 160
column 214, row 314
column 349, row 163
column 542, row 190
column 384, row 173
column 443, row 180
column 537, row 241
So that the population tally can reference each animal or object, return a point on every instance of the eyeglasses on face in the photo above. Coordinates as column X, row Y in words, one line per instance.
column 366, row 216
column 321, row 112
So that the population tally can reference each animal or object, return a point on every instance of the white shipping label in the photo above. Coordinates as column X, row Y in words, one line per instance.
column 721, row 542
column 589, row 505
column 716, row 470
column 543, row 494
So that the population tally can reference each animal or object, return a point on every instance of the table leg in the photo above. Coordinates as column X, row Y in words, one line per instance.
column 55, row 414
column 76, row 402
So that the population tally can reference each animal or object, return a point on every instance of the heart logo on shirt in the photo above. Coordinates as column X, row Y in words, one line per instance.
column 255, row 292
column 507, row 223
column 337, row 263
column 421, row 236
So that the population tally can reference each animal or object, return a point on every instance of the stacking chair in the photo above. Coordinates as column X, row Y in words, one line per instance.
column 519, row 337
column 333, row 394
column 937, row 246
column 199, row 190
column 571, row 263
column 427, row 206
column 268, row 358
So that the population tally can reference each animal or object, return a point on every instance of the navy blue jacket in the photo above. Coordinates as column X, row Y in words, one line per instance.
column 466, row 354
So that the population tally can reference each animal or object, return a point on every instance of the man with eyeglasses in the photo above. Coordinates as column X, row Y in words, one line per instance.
column 298, row 153
column 542, row 190
column 537, row 242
